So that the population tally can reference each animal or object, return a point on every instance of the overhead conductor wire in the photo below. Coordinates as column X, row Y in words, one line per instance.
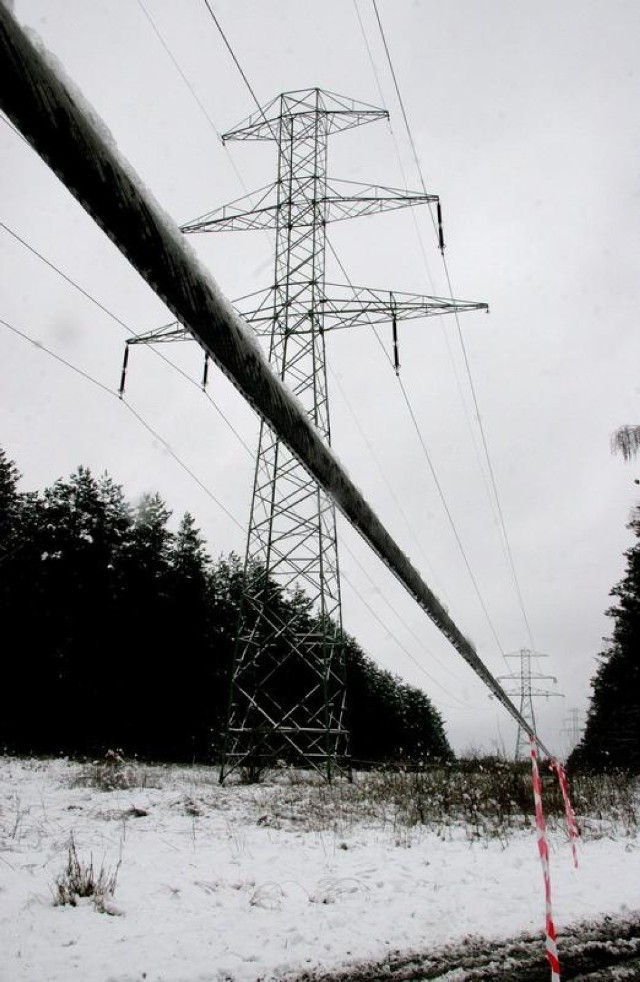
column 423, row 444
column 405, row 394
column 436, row 479
column 190, row 87
column 467, row 363
column 247, row 83
column 203, row 487
column 125, row 326
column 37, row 109
column 76, row 286
column 438, row 486
column 425, row 260
column 112, row 392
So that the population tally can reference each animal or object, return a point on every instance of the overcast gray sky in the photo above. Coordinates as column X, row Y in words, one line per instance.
column 525, row 120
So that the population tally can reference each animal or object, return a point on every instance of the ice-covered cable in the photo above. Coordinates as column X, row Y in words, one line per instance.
column 68, row 135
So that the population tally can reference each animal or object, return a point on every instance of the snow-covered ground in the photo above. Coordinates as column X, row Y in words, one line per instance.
column 261, row 882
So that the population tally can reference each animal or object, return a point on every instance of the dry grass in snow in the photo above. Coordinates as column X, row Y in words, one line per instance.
column 264, row 882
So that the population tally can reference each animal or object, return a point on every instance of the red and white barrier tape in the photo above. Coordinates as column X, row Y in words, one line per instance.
column 543, row 849
column 572, row 826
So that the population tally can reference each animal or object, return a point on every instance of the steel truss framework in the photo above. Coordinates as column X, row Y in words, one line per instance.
column 527, row 693
column 275, row 712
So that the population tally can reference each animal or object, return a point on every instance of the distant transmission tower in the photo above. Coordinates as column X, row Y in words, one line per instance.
column 527, row 693
column 573, row 727
column 276, row 712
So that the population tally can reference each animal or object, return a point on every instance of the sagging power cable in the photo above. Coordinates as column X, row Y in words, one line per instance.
column 134, row 412
column 463, row 346
column 405, row 395
column 68, row 134
column 434, row 475
column 114, row 317
column 425, row 260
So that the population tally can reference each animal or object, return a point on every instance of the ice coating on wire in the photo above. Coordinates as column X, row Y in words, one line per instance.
column 64, row 131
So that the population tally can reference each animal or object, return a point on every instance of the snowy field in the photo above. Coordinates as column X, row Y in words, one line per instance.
column 263, row 882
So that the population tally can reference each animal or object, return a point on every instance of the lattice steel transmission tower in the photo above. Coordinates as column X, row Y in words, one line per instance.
column 573, row 728
column 527, row 693
column 288, row 685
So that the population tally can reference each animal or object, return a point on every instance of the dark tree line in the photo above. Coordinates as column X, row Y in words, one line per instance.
column 119, row 632
column 612, row 735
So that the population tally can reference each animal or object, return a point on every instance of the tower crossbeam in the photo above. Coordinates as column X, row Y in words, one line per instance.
column 256, row 210
column 344, row 306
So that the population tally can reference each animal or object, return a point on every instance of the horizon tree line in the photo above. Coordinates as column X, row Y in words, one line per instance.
column 119, row 632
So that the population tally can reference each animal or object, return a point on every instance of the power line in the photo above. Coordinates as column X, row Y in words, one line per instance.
column 400, row 99
column 58, row 358
column 143, row 422
column 243, row 75
column 407, row 626
column 17, row 132
column 126, row 327
column 462, row 343
column 147, row 426
column 70, row 139
column 434, row 474
column 405, row 396
column 414, row 217
column 371, row 59
column 384, row 477
column 492, row 476
column 191, row 89
column 167, row 446
column 64, row 276
column 233, row 55
column 403, row 647
column 179, row 70
column 449, row 515
column 423, row 252
column 246, row 81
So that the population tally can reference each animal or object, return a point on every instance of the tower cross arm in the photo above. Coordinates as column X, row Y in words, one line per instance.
column 346, row 306
column 343, row 306
column 352, row 199
column 259, row 209
column 168, row 332
column 261, row 127
column 256, row 210
column 340, row 113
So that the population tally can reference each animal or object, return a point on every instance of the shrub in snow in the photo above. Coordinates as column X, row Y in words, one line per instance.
column 113, row 773
column 79, row 880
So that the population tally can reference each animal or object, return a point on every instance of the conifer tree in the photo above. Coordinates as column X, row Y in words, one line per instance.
column 119, row 633
column 612, row 733
column 9, row 562
column 9, row 500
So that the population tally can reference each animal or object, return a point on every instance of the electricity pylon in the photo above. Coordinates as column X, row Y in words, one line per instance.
column 276, row 712
column 573, row 728
column 527, row 693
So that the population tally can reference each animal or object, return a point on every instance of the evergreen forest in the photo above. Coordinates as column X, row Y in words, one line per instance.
column 612, row 735
column 118, row 632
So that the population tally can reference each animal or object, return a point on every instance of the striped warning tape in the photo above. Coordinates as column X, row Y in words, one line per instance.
column 572, row 826
column 543, row 850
